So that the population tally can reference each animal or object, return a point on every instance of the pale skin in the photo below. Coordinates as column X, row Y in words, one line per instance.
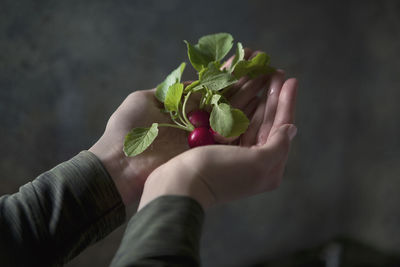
column 161, row 169
column 221, row 173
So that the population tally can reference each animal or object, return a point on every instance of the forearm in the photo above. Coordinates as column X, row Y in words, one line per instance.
column 53, row 218
column 166, row 232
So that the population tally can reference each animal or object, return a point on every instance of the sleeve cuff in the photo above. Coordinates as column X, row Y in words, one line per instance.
column 167, row 230
column 80, row 203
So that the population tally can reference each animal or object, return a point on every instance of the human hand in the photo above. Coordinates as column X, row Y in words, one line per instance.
column 141, row 109
column 220, row 173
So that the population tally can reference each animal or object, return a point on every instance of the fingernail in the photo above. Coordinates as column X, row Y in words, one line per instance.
column 291, row 132
column 271, row 91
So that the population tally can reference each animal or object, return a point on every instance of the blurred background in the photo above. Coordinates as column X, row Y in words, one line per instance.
column 65, row 66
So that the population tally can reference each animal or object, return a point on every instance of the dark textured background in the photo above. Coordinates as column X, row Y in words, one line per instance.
column 66, row 65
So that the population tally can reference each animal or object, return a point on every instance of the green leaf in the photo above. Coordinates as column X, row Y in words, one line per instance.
column 240, row 123
column 227, row 121
column 214, row 79
column 258, row 65
column 138, row 139
column 173, row 77
column 216, row 46
column 196, row 57
column 239, row 55
column 209, row 48
column 221, row 119
column 173, row 97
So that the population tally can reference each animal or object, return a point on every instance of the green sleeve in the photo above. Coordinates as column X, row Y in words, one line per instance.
column 166, row 232
column 61, row 212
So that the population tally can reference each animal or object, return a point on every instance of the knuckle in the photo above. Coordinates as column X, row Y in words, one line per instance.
column 133, row 95
column 136, row 96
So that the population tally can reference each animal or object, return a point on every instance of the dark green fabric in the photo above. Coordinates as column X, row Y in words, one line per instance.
column 166, row 232
column 61, row 212
column 53, row 218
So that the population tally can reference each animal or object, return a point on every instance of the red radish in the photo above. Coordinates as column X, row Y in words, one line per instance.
column 199, row 118
column 201, row 136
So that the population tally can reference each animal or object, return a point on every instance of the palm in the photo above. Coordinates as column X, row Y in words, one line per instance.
column 141, row 109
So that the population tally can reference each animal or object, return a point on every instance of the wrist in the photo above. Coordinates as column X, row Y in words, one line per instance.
column 176, row 181
column 116, row 164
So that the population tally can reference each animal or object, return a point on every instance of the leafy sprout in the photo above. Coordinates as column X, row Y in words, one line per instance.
column 205, row 57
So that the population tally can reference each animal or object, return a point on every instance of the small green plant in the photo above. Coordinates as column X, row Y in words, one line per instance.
column 213, row 82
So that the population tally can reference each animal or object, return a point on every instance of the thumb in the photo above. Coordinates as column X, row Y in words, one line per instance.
column 278, row 144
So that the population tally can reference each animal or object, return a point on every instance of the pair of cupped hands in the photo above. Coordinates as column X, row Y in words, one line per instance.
column 251, row 164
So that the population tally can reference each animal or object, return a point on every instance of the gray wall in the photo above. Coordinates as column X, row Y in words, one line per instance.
column 66, row 65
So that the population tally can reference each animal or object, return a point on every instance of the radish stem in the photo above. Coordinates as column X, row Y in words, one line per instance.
column 174, row 126
column 184, row 111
